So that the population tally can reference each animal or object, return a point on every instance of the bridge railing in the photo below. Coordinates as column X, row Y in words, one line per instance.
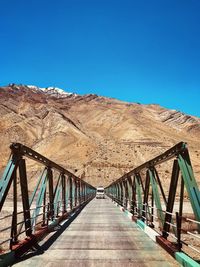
column 170, row 205
column 28, row 213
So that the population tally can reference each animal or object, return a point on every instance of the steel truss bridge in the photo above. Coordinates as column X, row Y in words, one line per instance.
column 61, row 222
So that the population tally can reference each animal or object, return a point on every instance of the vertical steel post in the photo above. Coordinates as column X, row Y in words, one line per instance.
column 146, row 196
column 130, row 193
column 79, row 192
column 179, row 215
column 181, row 197
column 25, row 197
column 75, row 192
column 134, row 204
column 121, row 193
column 14, row 238
column 63, row 181
column 70, row 192
column 178, row 226
column 152, row 209
column 125, row 202
column 118, row 193
column 51, row 193
column 171, row 198
column 44, row 216
column 67, row 192
column 83, row 190
column 139, row 194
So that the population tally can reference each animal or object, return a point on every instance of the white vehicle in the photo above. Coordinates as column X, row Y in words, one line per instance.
column 100, row 192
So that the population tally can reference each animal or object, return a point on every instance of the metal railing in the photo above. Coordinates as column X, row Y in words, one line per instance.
column 141, row 191
column 57, row 193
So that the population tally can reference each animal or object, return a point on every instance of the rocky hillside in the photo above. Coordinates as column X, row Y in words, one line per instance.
column 95, row 137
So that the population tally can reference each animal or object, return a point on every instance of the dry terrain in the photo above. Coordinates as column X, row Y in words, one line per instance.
column 97, row 138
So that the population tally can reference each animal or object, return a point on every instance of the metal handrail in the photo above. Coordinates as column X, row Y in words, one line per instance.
column 49, row 200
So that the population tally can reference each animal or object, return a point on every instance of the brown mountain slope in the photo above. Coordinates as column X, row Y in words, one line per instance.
column 98, row 138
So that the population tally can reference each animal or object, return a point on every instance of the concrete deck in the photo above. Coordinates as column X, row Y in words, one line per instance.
column 101, row 236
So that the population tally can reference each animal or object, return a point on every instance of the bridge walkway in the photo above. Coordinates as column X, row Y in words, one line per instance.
column 100, row 236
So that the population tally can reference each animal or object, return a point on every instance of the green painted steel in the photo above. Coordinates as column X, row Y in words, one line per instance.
column 190, row 184
column 141, row 224
column 39, row 199
column 7, row 259
column 127, row 189
column 118, row 192
column 185, row 260
column 146, row 192
column 67, row 193
column 6, row 180
column 130, row 192
column 139, row 195
column 45, row 207
column 57, row 195
column 36, row 188
column 156, row 196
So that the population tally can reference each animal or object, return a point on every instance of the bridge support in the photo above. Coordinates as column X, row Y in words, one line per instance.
column 45, row 207
column 153, row 205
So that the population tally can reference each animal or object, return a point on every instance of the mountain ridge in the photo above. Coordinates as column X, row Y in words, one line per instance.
column 96, row 137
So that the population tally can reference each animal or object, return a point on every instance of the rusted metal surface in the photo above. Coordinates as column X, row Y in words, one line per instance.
column 101, row 235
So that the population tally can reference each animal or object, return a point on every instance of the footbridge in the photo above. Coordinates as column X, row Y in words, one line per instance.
column 150, row 216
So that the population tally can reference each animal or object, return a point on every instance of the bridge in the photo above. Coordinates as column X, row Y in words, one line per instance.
column 56, row 220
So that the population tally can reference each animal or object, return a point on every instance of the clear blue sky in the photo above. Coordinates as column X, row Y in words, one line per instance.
column 144, row 51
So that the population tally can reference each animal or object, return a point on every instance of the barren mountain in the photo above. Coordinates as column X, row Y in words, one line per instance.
column 97, row 138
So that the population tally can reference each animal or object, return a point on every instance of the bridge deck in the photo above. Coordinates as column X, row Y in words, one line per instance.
column 102, row 235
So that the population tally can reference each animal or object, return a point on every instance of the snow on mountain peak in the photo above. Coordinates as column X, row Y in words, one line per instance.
column 53, row 91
